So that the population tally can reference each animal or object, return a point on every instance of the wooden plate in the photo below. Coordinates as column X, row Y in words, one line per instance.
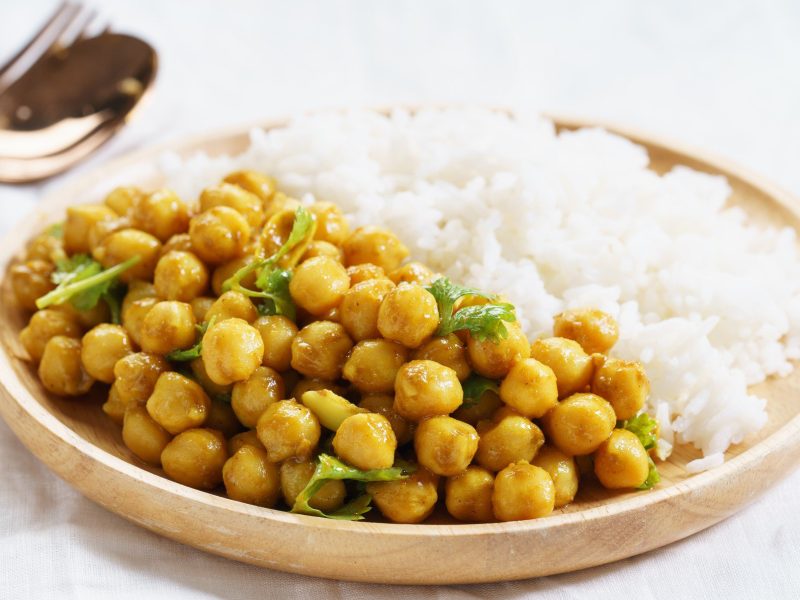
column 83, row 447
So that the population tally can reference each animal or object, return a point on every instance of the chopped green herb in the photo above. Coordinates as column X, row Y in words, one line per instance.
column 195, row 351
column 475, row 387
column 275, row 284
column 56, row 230
column 645, row 427
column 83, row 282
column 483, row 321
column 652, row 476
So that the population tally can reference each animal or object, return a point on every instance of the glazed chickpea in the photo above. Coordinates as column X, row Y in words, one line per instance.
column 495, row 359
column 468, row 495
column 579, row 424
column 358, row 311
column 256, row 183
column 161, row 214
column 251, row 397
column 178, row 403
column 232, row 305
column 373, row 365
column 295, row 475
column 374, row 245
column 507, row 439
column 563, row 472
column 135, row 376
column 413, row 272
column 45, row 324
column 121, row 199
column 288, row 430
column 200, row 307
column 125, row 244
column 383, row 404
column 219, row 234
column 320, row 349
column 621, row 461
column 168, row 326
column 522, row 491
column 410, row 500
column 60, row 369
column 319, row 248
column 79, row 222
column 332, row 227
column 572, row 366
column 87, row 318
column 250, row 206
column 232, row 350
column 408, row 314
column 250, row 477
column 319, row 284
column 222, row 418
column 279, row 203
column 143, row 436
column 180, row 242
column 277, row 332
column 448, row 351
column 245, row 438
column 133, row 317
column 480, row 409
column 530, row 388
column 46, row 247
column 180, row 276
column 137, row 290
column 315, row 385
column 115, row 406
column 366, row 441
column 102, row 347
column 30, row 281
column 364, row 272
column 444, row 445
column 196, row 458
column 624, row 384
column 225, row 271
column 424, row 388
column 102, row 229
column 593, row 329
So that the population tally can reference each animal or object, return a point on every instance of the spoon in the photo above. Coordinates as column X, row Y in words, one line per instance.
column 69, row 103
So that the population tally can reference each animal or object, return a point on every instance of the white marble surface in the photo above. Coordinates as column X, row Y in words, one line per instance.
column 723, row 76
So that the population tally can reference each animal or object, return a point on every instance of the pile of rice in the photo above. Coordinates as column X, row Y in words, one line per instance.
column 708, row 302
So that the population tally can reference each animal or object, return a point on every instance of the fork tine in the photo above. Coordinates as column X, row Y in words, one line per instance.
column 77, row 29
column 42, row 31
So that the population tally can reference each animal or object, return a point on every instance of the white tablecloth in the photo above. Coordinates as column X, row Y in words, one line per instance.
column 724, row 76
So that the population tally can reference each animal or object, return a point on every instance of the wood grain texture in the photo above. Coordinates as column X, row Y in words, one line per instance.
column 78, row 442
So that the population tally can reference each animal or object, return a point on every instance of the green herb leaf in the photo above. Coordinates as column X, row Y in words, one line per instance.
column 113, row 298
column 475, row 387
column 328, row 468
column 195, row 351
column 483, row 321
column 82, row 281
column 56, row 230
column 275, row 284
column 652, row 476
column 447, row 293
column 645, row 427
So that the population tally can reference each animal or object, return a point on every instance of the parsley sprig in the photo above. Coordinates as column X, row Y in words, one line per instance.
column 196, row 350
column 475, row 387
column 646, row 429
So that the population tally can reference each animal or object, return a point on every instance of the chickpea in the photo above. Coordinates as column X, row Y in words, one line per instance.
column 373, row 364
column 277, row 332
column 448, row 351
column 135, row 376
column 161, row 214
column 530, row 388
column 477, row 411
column 522, row 491
column 168, row 326
column 374, row 245
column 79, row 222
column 320, row 349
column 280, row 203
column 45, row 324
column 563, row 472
column 102, row 347
column 121, row 199
column 232, row 305
column 30, row 281
column 198, row 368
column 330, row 408
column 408, row 314
column 424, row 388
column 366, row 441
column 315, row 385
column 250, row 206
column 319, row 248
column 250, row 398
column 196, row 458
column 508, row 438
column 383, row 404
column 364, row 272
column 572, row 366
column 624, row 384
column 332, row 227
column 245, row 438
column 495, row 359
column 410, row 500
column 102, row 229
column 180, row 276
column 413, row 272
column 579, row 424
column 444, row 445
column 225, row 271
column 180, row 242
column 143, row 436
column 127, row 243
column 232, row 350
column 133, row 317
column 222, row 418
column 200, row 307
column 115, row 406
column 46, row 247
column 60, row 369
column 621, row 461
column 137, row 290
column 319, row 284
column 593, row 329
column 360, row 305
column 256, row 183
column 219, row 234
column 295, row 475
column 288, row 429
column 178, row 403
column 468, row 495
column 250, row 477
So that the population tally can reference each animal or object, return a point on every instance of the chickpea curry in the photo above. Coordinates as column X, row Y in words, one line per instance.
column 254, row 343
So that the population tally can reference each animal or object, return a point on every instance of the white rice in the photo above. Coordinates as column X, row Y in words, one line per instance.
column 708, row 302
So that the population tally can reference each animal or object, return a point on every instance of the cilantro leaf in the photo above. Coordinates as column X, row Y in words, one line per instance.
column 484, row 321
column 278, row 301
column 83, row 282
column 195, row 351
column 645, row 427
column 475, row 387
column 652, row 476
column 56, row 230
column 447, row 293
